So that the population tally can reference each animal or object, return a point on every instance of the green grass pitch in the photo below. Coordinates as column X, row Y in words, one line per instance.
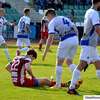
column 90, row 86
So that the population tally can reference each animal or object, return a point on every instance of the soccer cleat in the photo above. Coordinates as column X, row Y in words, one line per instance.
column 72, row 92
column 79, row 82
column 18, row 53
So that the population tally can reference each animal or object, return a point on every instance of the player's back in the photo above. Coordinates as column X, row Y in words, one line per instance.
column 61, row 24
column 90, row 35
column 18, row 69
column 22, row 23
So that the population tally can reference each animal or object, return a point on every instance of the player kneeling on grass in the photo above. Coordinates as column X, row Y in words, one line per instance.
column 21, row 65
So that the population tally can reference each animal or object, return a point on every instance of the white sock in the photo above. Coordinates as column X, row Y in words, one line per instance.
column 24, row 49
column 58, row 76
column 75, row 78
column 7, row 55
column 72, row 67
column 98, row 73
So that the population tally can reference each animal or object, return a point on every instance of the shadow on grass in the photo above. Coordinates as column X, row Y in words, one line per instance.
column 92, row 92
column 44, row 65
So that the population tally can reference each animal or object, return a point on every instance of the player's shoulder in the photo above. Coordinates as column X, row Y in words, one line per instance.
column 23, row 59
column 55, row 19
column 91, row 12
column 25, row 17
column 3, row 19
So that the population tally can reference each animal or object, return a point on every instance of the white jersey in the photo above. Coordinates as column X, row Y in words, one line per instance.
column 22, row 24
column 91, row 20
column 62, row 26
column 3, row 22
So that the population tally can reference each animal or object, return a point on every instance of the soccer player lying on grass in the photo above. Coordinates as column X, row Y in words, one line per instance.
column 19, row 68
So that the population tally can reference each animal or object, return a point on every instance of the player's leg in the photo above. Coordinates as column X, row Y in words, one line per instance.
column 4, row 45
column 61, row 54
column 41, row 43
column 84, row 59
column 41, row 40
column 71, row 51
column 69, row 60
column 97, row 63
column 27, row 44
column 21, row 42
column 50, row 83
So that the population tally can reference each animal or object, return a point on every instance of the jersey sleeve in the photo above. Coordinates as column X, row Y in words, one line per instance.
column 27, row 65
column 95, row 18
column 51, row 28
column 5, row 21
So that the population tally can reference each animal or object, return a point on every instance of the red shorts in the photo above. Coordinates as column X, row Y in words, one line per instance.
column 28, row 83
column 44, row 35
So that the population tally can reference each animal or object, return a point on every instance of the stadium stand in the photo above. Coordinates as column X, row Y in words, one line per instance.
column 16, row 11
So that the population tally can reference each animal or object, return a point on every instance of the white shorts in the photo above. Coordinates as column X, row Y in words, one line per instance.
column 89, row 54
column 23, row 41
column 67, row 48
column 2, row 40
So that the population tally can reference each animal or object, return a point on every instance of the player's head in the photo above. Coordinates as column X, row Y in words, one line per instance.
column 26, row 11
column 32, row 53
column 97, row 4
column 2, row 12
column 50, row 13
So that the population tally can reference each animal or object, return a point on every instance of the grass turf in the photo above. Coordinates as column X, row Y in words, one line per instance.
column 90, row 86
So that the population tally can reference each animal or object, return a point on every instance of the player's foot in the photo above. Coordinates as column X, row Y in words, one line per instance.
column 72, row 92
column 79, row 82
column 18, row 53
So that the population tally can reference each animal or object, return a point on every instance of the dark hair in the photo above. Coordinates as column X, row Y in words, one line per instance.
column 95, row 1
column 26, row 10
column 32, row 52
column 50, row 11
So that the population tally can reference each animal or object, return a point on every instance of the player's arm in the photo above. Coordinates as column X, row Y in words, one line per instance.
column 97, row 29
column 48, row 44
column 27, row 28
column 51, row 31
column 29, row 70
column 96, row 22
column 8, row 68
column 75, row 29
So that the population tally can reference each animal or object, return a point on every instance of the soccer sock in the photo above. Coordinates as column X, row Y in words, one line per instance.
column 24, row 49
column 7, row 55
column 72, row 67
column 58, row 76
column 75, row 78
column 98, row 73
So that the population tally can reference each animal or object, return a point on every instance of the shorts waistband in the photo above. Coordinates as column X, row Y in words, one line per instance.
column 67, row 36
